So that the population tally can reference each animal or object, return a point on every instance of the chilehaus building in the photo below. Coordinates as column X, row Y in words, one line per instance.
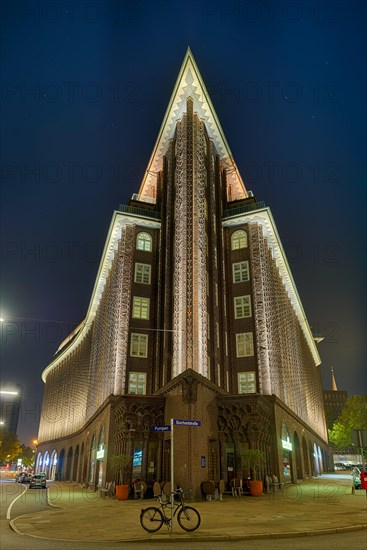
column 194, row 316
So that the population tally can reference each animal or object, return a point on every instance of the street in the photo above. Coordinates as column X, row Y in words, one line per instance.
column 35, row 500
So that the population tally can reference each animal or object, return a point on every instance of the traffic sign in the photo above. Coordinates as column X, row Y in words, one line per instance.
column 161, row 428
column 187, row 422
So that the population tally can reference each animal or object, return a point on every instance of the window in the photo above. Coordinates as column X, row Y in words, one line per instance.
column 244, row 344
column 226, row 341
column 239, row 240
column 208, row 367
column 240, row 272
column 246, row 382
column 140, row 308
column 137, row 383
column 144, row 242
column 218, row 375
column 139, row 345
column 242, row 307
column 216, row 294
column 217, row 333
column 142, row 273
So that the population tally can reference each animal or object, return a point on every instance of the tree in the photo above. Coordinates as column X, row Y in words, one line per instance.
column 353, row 417
column 253, row 459
column 9, row 446
column 119, row 462
column 26, row 455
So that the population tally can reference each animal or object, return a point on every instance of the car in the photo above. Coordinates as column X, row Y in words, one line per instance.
column 356, row 476
column 37, row 481
column 24, row 477
column 340, row 466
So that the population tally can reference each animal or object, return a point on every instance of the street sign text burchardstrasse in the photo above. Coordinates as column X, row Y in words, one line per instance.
column 187, row 422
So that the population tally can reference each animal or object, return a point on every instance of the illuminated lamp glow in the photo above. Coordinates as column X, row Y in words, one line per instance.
column 100, row 454
column 6, row 392
column 286, row 444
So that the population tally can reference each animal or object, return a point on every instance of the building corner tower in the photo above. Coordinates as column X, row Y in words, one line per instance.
column 194, row 315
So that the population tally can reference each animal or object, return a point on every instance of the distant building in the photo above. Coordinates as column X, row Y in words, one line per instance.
column 334, row 402
column 194, row 316
column 10, row 402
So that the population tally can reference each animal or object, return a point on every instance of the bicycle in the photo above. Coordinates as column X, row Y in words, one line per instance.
column 153, row 518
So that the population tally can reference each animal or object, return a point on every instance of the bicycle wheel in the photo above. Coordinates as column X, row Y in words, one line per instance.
column 188, row 518
column 151, row 519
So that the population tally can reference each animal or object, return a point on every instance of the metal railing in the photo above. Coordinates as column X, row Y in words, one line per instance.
column 139, row 211
column 243, row 209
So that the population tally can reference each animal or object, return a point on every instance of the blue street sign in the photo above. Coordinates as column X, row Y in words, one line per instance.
column 161, row 428
column 187, row 422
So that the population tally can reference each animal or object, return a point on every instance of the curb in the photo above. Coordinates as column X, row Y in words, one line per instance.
column 50, row 503
column 204, row 538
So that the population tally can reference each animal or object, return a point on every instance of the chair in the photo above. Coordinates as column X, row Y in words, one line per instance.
column 103, row 491
column 236, row 487
column 208, row 489
column 140, row 488
column 166, row 488
column 221, row 488
column 112, row 489
column 156, row 489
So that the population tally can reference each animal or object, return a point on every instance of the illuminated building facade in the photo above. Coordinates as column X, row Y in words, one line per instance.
column 194, row 315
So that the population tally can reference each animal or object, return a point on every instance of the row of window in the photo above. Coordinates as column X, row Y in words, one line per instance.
column 244, row 345
column 240, row 272
column 242, row 307
column 138, row 382
column 238, row 240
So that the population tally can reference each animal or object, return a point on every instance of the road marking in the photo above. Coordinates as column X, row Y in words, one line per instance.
column 11, row 504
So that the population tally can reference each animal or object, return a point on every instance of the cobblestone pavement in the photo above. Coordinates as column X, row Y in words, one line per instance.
column 321, row 505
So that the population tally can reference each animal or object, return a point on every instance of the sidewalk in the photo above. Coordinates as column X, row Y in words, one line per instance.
column 320, row 505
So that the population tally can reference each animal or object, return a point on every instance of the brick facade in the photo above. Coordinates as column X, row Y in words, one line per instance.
column 213, row 331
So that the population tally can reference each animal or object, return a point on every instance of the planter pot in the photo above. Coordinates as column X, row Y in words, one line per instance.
column 256, row 488
column 122, row 492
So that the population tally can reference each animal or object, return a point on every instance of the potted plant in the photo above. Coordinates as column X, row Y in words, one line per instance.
column 119, row 462
column 251, row 460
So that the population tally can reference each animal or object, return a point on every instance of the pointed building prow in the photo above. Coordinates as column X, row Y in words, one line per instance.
column 190, row 84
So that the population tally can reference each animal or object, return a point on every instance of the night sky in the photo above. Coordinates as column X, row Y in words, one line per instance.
column 84, row 88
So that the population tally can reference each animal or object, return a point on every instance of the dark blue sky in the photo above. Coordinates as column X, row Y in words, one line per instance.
column 84, row 88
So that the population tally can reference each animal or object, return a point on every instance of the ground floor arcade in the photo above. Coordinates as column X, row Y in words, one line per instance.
column 229, row 424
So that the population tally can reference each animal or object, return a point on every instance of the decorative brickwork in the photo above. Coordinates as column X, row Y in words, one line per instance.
column 215, row 331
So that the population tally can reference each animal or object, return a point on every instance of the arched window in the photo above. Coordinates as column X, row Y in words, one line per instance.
column 144, row 242
column 92, row 459
column 239, row 240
